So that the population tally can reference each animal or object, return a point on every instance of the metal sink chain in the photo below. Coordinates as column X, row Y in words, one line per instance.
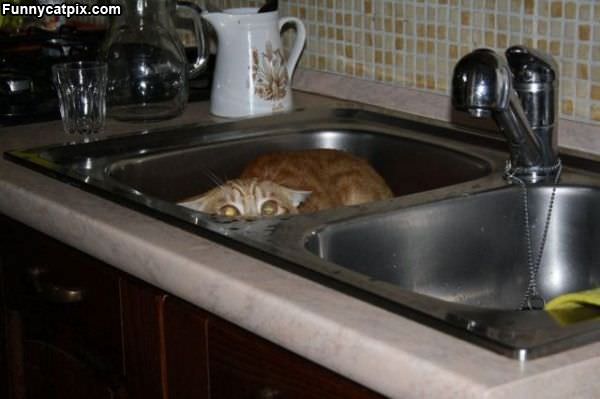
column 532, row 299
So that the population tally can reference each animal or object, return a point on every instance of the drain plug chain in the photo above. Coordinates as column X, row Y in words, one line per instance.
column 532, row 299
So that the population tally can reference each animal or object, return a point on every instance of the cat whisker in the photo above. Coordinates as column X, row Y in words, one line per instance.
column 217, row 179
column 213, row 177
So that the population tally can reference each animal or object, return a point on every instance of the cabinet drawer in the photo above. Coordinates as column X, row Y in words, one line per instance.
column 243, row 365
column 64, row 298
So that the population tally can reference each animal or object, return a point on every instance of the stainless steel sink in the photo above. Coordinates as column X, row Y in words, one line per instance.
column 448, row 250
column 473, row 251
column 408, row 165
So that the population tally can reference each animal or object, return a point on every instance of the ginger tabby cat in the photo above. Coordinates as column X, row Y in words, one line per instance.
column 294, row 182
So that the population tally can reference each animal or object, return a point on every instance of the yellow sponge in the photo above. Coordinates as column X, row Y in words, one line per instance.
column 575, row 300
column 575, row 307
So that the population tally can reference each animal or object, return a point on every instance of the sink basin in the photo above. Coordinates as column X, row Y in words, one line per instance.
column 173, row 165
column 473, row 251
column 407, row 165
column 447, row 251
column 464, row 262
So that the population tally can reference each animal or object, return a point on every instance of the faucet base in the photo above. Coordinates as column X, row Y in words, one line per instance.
column 533, row 174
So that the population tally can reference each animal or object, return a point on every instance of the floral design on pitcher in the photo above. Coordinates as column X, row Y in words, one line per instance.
column 269, row 73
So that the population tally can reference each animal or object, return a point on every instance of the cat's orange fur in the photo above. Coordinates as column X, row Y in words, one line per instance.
column 335, row 178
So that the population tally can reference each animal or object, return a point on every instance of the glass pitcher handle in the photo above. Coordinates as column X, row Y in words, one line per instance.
column 201, row 40
column 298, row 43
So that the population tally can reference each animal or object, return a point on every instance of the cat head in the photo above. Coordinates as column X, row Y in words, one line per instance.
column 249, row 198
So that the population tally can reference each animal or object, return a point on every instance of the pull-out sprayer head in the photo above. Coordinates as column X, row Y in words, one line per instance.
column 481, row 84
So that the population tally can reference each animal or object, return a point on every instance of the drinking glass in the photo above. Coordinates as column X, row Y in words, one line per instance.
column 81, row 90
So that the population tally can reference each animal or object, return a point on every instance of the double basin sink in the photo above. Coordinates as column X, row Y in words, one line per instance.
column 449, row 250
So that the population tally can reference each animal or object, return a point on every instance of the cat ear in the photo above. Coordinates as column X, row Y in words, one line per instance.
column 298, row 196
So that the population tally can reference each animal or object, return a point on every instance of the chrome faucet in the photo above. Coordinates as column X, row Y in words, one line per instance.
column 521, row 96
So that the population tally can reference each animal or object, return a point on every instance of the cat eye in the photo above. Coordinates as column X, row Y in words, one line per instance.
column 269, row 208
column 230, row 211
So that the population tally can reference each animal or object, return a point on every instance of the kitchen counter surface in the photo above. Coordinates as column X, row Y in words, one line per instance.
column 385, row 352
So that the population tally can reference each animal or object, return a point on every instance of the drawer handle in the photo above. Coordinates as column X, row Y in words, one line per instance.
column 52, row 292
column 269, row 393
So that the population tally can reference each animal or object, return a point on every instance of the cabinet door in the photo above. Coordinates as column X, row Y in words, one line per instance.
column 63, row 319
column 143, row 321
column 53, row 373
column 245, row 366
column 186, row 350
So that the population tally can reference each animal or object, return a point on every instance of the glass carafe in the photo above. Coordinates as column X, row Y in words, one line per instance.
column 147, row 67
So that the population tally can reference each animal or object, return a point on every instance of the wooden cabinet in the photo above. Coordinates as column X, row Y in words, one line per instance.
column 143, row 339
column 243, row 365
column 62, row 319
column 209, row 357
column 73, row 327
column 186, row 350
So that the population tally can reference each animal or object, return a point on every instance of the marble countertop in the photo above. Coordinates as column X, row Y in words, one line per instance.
column 385, row 352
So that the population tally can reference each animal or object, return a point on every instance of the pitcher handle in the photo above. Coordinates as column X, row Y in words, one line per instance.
column 298, row 43
column 201, row 43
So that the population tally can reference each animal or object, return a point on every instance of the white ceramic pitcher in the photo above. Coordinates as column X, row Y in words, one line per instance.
column 252, row 76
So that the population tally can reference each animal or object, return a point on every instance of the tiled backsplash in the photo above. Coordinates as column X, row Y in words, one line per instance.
column 416, row 43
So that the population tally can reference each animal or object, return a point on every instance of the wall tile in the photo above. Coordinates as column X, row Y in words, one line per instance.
column 416, row 43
